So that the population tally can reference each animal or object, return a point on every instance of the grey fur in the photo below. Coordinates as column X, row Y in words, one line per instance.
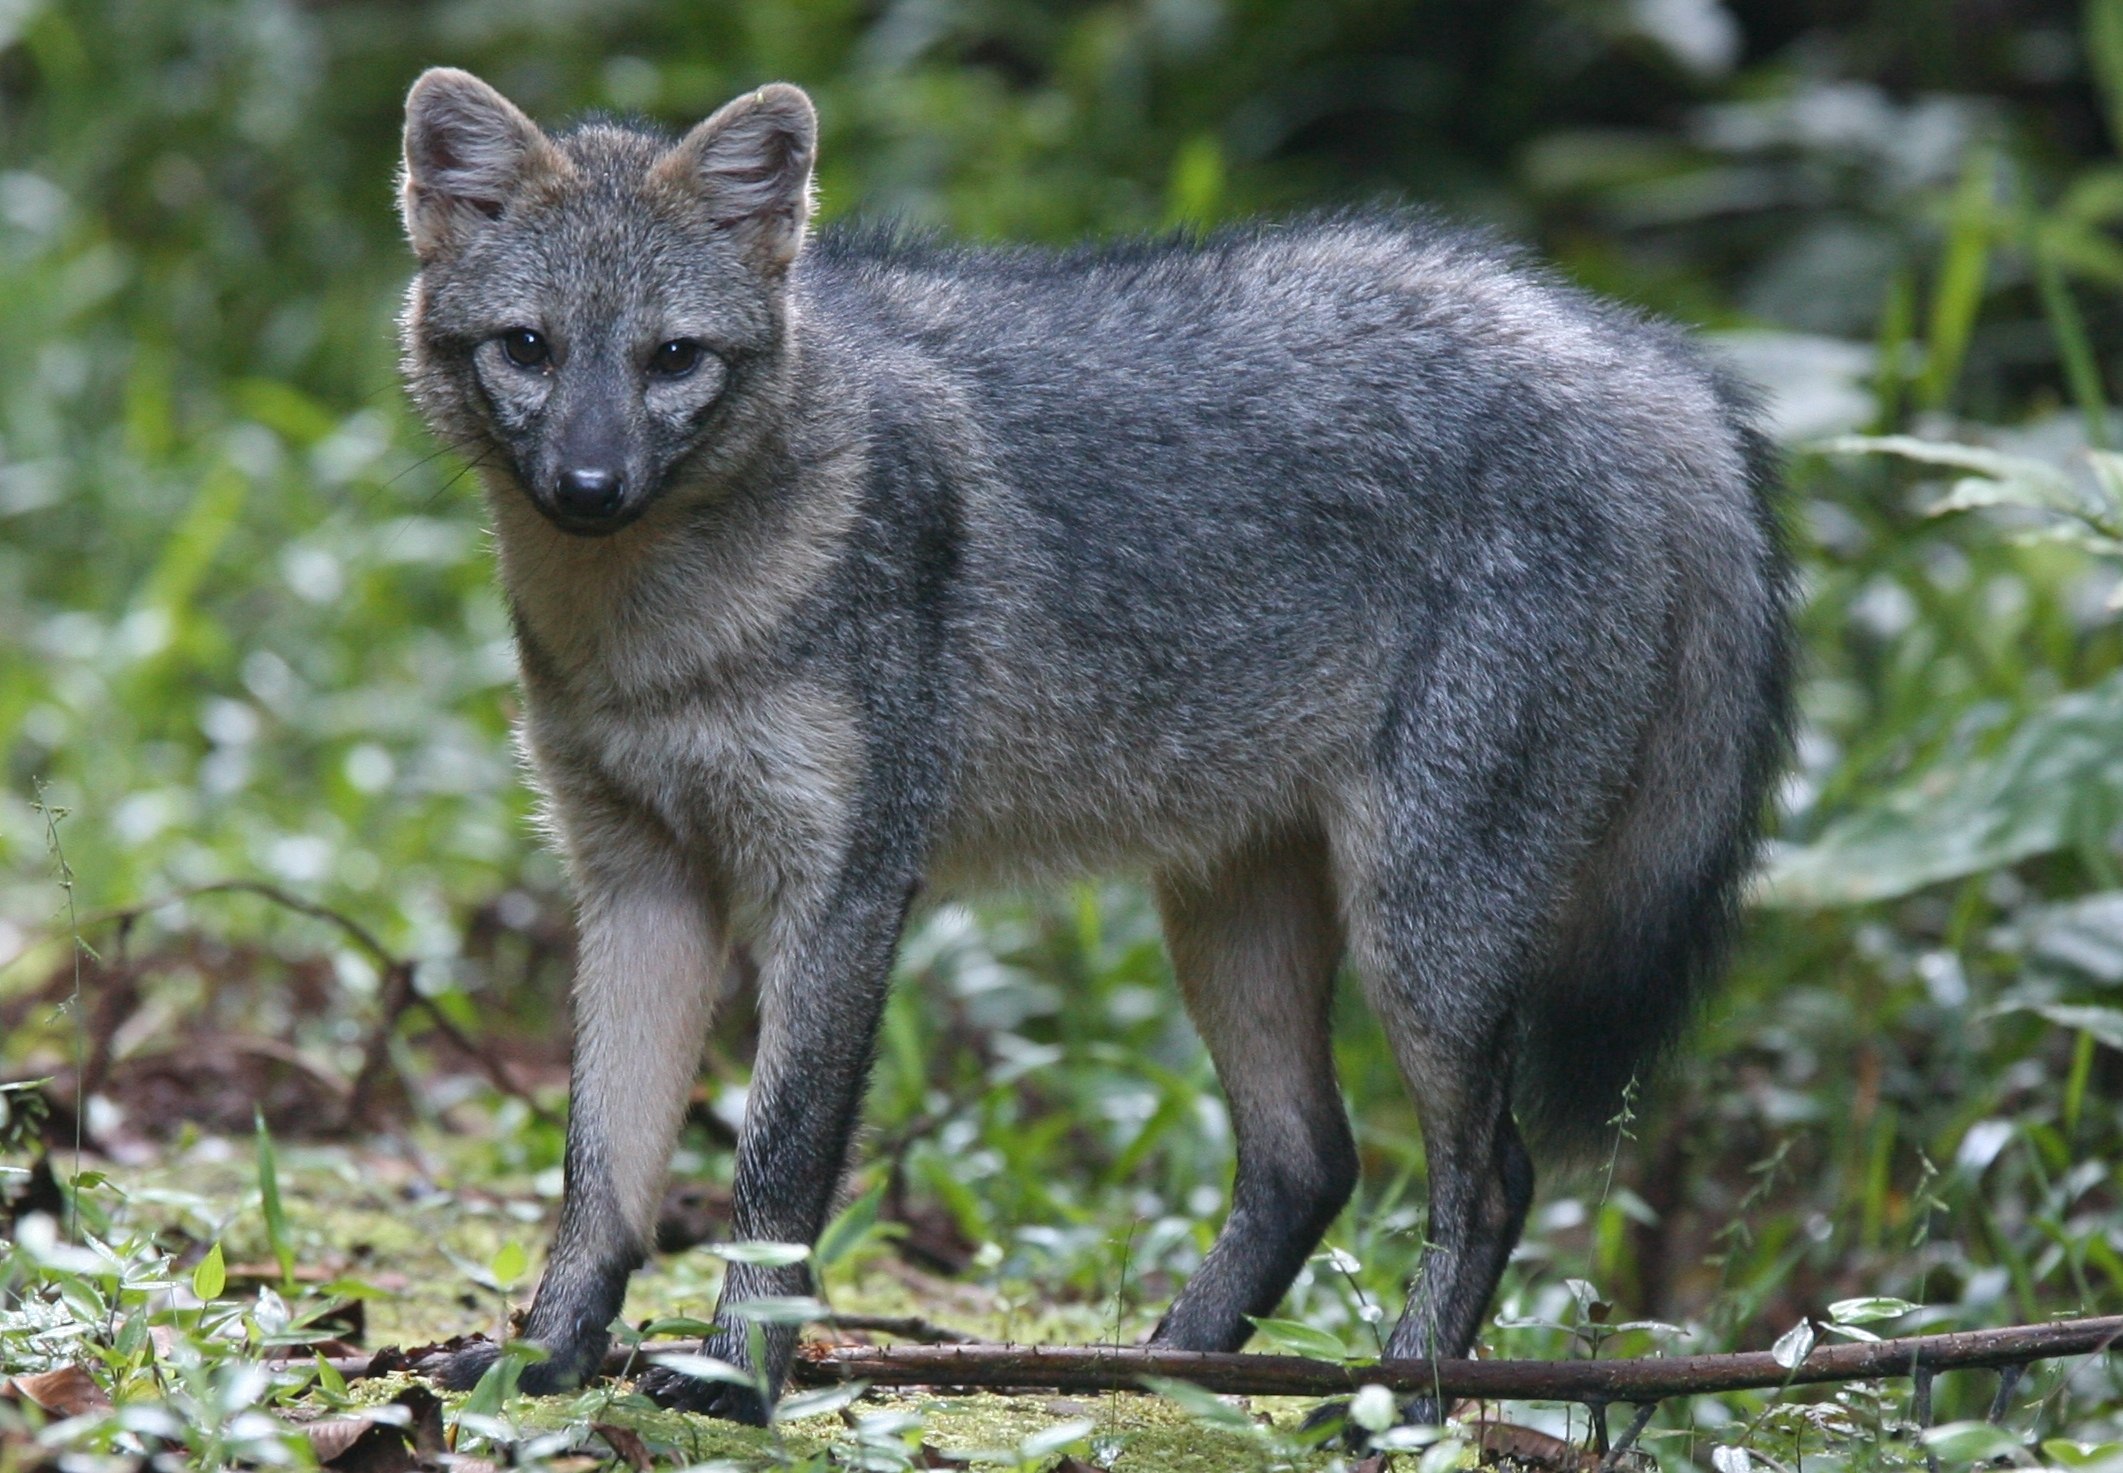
column 1374, row 594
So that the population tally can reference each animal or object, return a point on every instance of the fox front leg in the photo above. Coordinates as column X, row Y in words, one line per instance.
column 651, row 968
column 821, row 997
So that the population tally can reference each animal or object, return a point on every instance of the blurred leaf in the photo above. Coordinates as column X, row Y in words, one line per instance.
column 2104, row 1024
column 1957, row 296
column 2104, row 48
column 509, row 1263
column 1050, row 1440
column 1302, row 1339
column 1967, row 815
column 777, row 1309
column 818, row 1403
column 1793, row 1346
column 269, row 1200
column 2001, row 479
column 1196, row 189
column 301, row 418
column 2082, row 366
column 1969, row 1442
column 211, row 1275
column 498, row 1384
column 704, row 1368
column 1373, row 1408
column 765, row 1255
column 1205, row 1407
column 1869, row 1310
column 847, row 1230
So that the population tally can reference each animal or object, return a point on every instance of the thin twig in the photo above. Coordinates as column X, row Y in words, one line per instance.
column 2008, row 1382
column 125, row 915
column 905, row 1326
column 1627, row 1440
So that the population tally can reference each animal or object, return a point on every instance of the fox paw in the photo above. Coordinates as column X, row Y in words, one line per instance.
column 460, row 1370
column 683, row 1393
column 1333, row 1416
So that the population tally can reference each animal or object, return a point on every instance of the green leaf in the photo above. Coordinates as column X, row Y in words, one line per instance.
column 765, row 1255
column 1196, row 185
column 2068, row 1454
column 704, row 1368
column 2104, row 48
column 818, row 1403
column 1968, row 815
column 1204, row 1407
column 847, row 1230
column 1996, row 479
column 2082, row 365
column 1866, row 1311
column 269, row 1200
column 1373, row 1408
column 211, row 1276
column 777, row 1309
column 499, row 1382
column 1793, row 1346
column 2105, row 1024
column 1050, row 1440
column 509, row 1263
column 1969, row 1442
column 1958, row 296
column 1302, row 1339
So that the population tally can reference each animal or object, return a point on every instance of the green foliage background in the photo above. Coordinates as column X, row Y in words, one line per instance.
column 247, row 629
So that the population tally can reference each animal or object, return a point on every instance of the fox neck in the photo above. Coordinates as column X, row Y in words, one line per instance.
column 704, row 579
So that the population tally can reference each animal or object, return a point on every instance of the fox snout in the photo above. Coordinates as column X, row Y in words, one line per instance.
column 589, row 498
column 589, row 493
column 589, row 483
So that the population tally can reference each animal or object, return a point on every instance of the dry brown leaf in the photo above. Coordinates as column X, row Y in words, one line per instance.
column 338, row 1444
column 627, row 1443
column 369, row 1444
column 1508, row 1439
column 66, row 1392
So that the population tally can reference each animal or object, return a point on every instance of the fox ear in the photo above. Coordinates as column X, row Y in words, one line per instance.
column 468, row 150
column 751, row 165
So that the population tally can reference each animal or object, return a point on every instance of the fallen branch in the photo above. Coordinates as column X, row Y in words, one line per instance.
column 1649, row 1378
column 1645, row 1379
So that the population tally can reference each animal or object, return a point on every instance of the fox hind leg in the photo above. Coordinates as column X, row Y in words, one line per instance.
column 1453, row 861
column 1254, row 943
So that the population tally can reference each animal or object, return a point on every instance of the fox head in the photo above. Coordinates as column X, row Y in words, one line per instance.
column 600, row 316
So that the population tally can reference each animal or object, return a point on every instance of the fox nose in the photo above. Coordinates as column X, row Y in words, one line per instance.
column 589, row 491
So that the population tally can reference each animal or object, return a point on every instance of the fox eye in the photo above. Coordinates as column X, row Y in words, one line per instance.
column 675, row 359
column 526, row 349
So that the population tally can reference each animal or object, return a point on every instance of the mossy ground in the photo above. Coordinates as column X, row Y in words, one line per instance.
column 405, row 1229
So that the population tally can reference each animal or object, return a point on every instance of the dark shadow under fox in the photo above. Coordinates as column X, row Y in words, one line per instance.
column 1384, row 601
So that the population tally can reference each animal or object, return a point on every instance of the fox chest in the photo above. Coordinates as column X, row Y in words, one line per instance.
column 756, row 786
